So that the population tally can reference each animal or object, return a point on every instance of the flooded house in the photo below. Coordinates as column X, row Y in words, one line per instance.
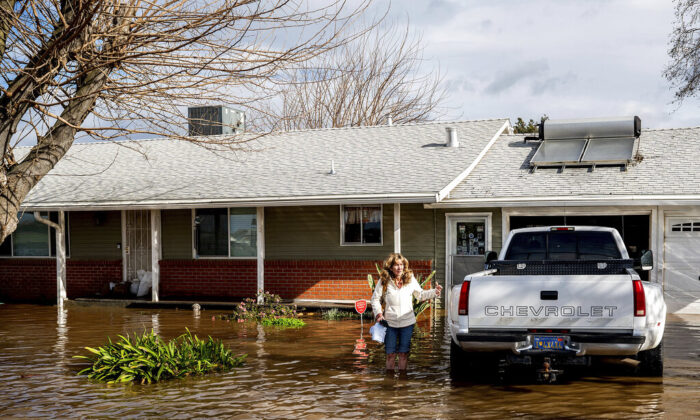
column 307, row 214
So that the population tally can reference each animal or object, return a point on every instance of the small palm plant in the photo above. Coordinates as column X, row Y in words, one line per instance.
column 146, row 358
column 418, row 307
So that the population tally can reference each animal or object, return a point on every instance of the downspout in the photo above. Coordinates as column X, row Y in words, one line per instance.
column 61, row 295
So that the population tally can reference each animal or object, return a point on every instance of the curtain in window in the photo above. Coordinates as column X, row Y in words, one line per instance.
column 353, row 225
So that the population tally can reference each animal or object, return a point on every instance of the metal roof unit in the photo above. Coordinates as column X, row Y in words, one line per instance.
column 587, row 142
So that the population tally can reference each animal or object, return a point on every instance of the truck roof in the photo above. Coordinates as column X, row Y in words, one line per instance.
column 575, row 228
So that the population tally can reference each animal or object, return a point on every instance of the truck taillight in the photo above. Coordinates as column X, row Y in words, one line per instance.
column 464, row 299
column 640, row 304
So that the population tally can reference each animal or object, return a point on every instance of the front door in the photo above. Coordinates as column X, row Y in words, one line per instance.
column 137, row 242
column 468, row 241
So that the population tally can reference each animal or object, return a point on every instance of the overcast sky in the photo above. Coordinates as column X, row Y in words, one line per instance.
column 563, row 58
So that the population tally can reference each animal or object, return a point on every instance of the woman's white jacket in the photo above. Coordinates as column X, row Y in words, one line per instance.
column 398, row 310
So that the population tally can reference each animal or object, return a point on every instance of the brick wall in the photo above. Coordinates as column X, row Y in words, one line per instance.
column 208, row 278
column 28, row 280
column 335, row 280
column 88, row 278
column 291, row 279
column 34, row 280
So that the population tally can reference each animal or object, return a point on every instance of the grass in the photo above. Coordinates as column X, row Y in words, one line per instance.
column 283, row 322
column 335, row 314
column 146, row 358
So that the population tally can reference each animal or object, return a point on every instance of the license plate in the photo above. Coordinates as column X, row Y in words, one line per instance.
column 548, row 343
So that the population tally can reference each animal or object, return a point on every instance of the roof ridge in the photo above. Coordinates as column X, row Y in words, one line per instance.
column 435, row 122
column 359, row 127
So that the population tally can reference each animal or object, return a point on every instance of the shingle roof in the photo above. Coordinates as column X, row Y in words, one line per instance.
column 400, row 161
column 670, row 168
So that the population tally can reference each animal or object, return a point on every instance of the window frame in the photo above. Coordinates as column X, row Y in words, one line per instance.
column 52, row 245
column 195, row 254
column 342, row 225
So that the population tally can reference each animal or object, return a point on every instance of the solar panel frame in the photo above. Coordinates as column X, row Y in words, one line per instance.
column 559, row 152
column 609, row 151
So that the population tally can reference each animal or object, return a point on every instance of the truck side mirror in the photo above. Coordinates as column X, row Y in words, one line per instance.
column 492, row 255
column 647, row 260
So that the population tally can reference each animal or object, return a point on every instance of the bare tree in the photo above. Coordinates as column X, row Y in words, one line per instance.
column 110, row 68
column 364, row 82
column 684, row 70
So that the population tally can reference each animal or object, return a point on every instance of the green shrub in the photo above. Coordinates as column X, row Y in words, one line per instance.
column 283, row 322
column 335, row 314
column 147, row 358
column 271, row 307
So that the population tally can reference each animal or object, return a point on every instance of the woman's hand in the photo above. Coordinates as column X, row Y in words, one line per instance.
column 438, row 289
column 379, row 317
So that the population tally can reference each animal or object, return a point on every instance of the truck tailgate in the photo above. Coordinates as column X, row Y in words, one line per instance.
column 578, row 302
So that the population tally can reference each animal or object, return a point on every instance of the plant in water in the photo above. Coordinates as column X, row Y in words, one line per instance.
column 418, row 307
column 283, row 322
column 147, row 358
column 271, row 308
column 335, row 314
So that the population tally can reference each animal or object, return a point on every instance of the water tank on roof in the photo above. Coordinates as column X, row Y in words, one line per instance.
column 589, row 128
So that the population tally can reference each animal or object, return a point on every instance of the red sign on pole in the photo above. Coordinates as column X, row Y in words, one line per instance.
column 361, row 306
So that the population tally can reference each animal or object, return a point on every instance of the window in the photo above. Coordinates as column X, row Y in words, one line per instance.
column 32, row 238
column 688, row 226
column 362, row 225
column 563, row 246
column 226, row 232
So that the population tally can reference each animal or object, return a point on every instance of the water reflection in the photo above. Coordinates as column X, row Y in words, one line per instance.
column 310, row 372
column 61, row 335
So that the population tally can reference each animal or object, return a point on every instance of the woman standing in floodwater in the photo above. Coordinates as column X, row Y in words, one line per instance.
column 394, row 304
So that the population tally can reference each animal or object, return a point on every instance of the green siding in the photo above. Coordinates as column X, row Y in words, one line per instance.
column 417, row 232
column 176, row 227
column 94, row 235
column 313, row 233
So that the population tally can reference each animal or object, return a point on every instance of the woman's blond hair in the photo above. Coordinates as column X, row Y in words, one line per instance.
column 387, row 274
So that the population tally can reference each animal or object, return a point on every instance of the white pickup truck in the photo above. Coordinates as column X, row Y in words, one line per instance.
column 556, row 297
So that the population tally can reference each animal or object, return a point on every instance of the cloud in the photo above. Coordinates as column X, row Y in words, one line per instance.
column 510, row 78
column 553, row 84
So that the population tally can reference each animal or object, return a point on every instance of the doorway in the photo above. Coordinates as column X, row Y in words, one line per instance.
column 137, row 242
column 468, row 240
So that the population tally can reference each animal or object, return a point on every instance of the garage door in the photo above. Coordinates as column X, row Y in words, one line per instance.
column 682, row 255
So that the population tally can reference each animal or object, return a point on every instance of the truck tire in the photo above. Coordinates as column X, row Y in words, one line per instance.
column 459, row 362
column 651, row 362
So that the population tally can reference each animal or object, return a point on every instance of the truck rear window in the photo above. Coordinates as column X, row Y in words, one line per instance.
column 563, row 246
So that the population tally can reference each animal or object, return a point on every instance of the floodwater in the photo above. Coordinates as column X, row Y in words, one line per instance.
column 311, row 373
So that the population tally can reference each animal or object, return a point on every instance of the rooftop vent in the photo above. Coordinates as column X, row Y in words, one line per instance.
column 452, row 140
column 587, row 142
column 214, row 120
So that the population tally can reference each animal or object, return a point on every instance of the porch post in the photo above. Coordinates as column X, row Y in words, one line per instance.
column 260, row 246
column 61, row 294
column 155, row 253
column 397, row 227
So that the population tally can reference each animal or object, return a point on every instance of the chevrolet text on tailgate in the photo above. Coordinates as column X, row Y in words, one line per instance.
column 557, row 297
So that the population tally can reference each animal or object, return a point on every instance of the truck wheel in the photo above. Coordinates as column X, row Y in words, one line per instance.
column 459, row 362
column 651, row 362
